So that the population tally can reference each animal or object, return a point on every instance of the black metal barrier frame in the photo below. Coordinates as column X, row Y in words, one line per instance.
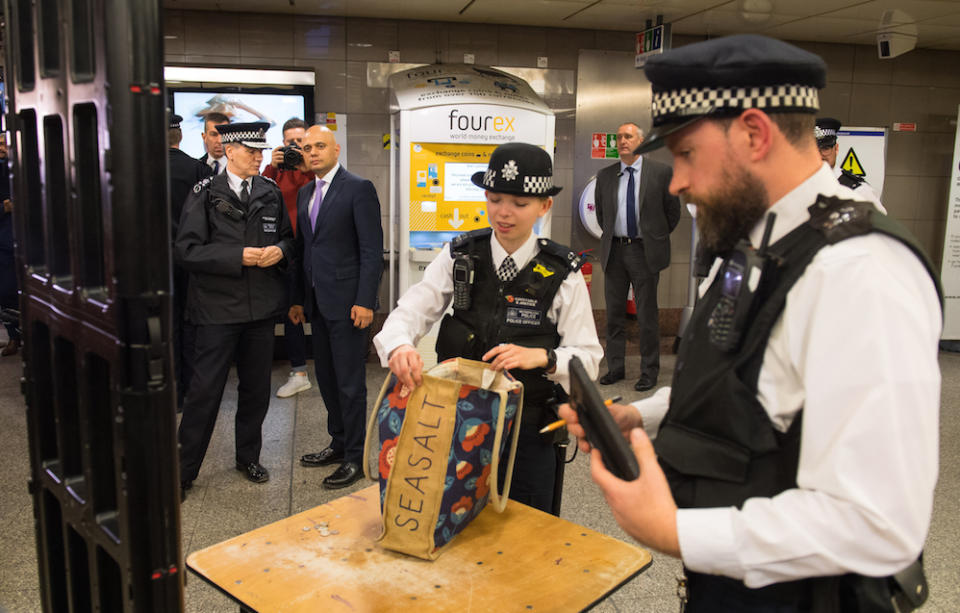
column 88, row 127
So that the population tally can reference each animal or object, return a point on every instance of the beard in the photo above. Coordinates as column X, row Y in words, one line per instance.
column 729, row 213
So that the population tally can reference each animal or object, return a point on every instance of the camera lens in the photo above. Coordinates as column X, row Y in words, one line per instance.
column 291, row 157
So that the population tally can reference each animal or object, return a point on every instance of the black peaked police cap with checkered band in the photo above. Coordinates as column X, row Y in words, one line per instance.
column 252, row 134
column 520, row 169
column 826, row 131
column 725, row 76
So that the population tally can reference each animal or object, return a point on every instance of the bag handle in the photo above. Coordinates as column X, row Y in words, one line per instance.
column 500, row 502
column 371, row 422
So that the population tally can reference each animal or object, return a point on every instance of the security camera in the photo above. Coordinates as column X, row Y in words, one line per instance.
column 892, row 44
column 896, row 34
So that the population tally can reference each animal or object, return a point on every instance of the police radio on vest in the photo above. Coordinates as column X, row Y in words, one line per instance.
column 480, row 123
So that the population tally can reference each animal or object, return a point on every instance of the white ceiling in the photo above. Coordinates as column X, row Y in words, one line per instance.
column 937, row 22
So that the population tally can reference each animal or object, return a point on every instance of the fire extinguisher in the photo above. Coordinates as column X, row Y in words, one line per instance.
column 587, row 268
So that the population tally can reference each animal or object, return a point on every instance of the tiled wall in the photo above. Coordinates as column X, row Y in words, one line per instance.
column 921, row 86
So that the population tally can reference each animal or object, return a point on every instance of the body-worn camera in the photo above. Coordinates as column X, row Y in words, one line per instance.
column 228, row 209
column 463, row 272
column 292, row 157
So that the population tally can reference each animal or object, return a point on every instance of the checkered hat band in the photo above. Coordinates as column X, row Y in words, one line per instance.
column 239, row 137
column 488, row 177
column 679, row 103
column 824, row 132
column 537, row 185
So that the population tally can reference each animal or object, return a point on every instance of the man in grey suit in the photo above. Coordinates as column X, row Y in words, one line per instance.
column 636, row 213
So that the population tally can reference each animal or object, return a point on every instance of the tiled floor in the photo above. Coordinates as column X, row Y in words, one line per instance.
column 222, row 504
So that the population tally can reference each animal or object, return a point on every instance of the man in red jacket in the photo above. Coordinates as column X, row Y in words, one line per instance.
column 290, row 180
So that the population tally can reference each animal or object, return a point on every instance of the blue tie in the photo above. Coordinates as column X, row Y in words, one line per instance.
column 631, row 205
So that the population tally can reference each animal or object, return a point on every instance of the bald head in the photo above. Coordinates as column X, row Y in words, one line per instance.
column 320, row 150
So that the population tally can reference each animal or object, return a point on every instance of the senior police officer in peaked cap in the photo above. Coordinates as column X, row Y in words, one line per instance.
column 826, row 131
column 526, row 309
column 236, row 241
column 794, row 458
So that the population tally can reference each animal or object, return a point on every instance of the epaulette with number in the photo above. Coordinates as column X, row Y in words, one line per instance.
column 202, row 185
column 563, row 252
column 838, row 219
column 463, row 241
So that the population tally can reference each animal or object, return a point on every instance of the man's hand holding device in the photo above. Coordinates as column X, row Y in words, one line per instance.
column 643, row 506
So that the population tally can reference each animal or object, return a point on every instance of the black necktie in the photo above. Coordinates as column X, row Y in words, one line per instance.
column 244, row 193
column 216, row 167
column 631, row 205
column 508, row 270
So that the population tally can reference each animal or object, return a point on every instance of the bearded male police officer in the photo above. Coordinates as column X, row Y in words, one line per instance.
column 526, row 310
column 236, row 241
column 826, row 132
column 798, row 450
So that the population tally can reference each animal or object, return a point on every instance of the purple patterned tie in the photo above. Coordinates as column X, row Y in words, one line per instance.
column 317, row 198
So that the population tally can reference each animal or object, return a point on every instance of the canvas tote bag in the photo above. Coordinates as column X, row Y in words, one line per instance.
column 440, row 450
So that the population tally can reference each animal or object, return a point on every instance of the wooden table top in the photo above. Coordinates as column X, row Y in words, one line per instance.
column 327, row 559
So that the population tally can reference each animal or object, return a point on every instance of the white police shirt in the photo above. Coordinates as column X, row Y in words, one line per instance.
column 856, row 348
column 424, row 303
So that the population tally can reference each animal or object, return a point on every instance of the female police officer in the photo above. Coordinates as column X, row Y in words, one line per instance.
column 526, row 310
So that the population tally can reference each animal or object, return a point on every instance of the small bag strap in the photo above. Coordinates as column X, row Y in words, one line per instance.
column 498, row 501
column 371, row 422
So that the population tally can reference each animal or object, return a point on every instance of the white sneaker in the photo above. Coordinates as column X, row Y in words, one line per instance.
column 298, row 382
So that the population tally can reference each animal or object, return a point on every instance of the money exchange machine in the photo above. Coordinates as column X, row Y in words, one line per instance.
column 445, row 122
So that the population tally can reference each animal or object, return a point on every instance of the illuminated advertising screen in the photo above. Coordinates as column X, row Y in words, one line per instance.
column 239, row 106
column 443, row 200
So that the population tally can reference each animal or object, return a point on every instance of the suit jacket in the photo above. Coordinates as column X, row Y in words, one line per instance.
column 659, row 211
column 185, row 172
column 342, row 259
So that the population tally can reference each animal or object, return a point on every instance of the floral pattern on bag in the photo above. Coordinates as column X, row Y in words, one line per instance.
column 470, row 460
column 469, row 463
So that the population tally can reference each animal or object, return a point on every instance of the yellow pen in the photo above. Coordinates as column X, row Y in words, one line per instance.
column 562, row 422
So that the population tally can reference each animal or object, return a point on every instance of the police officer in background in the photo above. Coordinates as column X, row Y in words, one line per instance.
column 795, row 456
column 235, row 240
column 527, row 311
column 826, row 132
column 185, row 172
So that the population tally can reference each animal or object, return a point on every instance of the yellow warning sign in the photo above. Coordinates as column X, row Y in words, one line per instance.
column 852, row 164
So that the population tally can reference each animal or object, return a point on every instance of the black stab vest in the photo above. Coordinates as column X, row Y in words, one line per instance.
column 848, row 179
column 513, row 312
column 716, row 443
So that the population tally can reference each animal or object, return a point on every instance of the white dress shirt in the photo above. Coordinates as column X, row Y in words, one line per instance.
column 424, row 303
column 855, row 348
column 620, row 225
column 236, row 184
column 221, row 161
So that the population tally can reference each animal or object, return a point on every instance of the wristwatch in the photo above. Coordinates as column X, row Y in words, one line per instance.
column 551, row 359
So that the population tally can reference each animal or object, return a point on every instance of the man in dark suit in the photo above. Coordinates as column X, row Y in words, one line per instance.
column 339, row 249
column 185, row 172
column 636, row 213
column 215, row 157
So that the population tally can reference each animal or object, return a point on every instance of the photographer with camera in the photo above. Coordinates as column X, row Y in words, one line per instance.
column 290, row 172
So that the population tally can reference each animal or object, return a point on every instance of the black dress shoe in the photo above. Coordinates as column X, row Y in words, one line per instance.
column 644, row 383
column 346, row 474
column 184, row 486
column 611, row 377
column 323, row 458
column 254, row 471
